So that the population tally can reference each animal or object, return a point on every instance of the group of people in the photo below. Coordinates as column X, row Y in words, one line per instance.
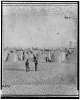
column 35, row 62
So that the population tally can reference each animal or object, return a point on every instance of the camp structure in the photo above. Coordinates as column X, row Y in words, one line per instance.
column 35, row 52
column 73, row 55
column 12, row 57
column 63, row 56
column 48, row 54
column 26, row 55
column 29, row 55
column 58, row 56
column 5, row 55
column 19, row 55
column 41, row 57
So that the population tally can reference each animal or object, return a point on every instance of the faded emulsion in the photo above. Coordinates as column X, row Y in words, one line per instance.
column 40, row 48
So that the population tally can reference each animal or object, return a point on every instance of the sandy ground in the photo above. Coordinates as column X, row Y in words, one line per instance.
column 50, row 78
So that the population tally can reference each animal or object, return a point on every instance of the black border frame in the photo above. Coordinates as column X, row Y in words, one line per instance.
column 43, row 96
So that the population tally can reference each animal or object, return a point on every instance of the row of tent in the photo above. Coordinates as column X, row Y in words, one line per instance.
column 14, row 56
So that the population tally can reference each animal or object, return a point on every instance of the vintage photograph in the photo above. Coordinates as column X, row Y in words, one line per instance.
column 39, row 49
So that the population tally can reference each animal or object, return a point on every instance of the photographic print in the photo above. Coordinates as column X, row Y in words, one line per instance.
column 39, row 49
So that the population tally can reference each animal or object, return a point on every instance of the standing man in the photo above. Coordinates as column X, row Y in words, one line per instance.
column 46, row 57
column 34, row 57
column 36, row 63
column 27, row 65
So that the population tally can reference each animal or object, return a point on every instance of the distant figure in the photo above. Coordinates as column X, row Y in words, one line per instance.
column 34, row 57
column 36, row 63
column 46, row 58
column 27, row 65
column 37, row 56
column 23, row 56
column 67, row 54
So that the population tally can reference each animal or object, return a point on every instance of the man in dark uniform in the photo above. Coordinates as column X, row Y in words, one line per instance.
column 36, row 63
column 34, row 57
column 46, row 59
column 27, row 65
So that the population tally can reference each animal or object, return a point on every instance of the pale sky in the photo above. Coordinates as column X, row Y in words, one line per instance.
column 37, row 26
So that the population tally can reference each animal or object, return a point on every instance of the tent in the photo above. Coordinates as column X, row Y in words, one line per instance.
column 63, row 56
column 5, row 55
column 36, row 52
column 49, row 56
column 58, row 56
column 19, row 55
column 72, row 56
column 12, row 57
column 42, row 58
column 26, row 55
column 29, row 55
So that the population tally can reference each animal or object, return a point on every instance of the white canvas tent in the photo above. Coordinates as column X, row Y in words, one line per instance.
column 49, row 56
column 26, row 56
column 42, row 58
column 58, row 56
column 19, row 55
column 35, row 52
column 63, row 56
column 12, row 57
column 5, row 55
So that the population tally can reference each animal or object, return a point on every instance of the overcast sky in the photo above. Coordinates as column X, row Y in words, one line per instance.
column 38, row 26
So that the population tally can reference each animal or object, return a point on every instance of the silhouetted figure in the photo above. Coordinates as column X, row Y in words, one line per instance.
column 34, row 57
column 27, row 65
column 46, row 59
column 36, row 63
column 23, row 56
column 67, row 54
column 37, row 56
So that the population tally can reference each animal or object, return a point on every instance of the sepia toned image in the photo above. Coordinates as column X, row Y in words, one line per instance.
column 39, row 49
